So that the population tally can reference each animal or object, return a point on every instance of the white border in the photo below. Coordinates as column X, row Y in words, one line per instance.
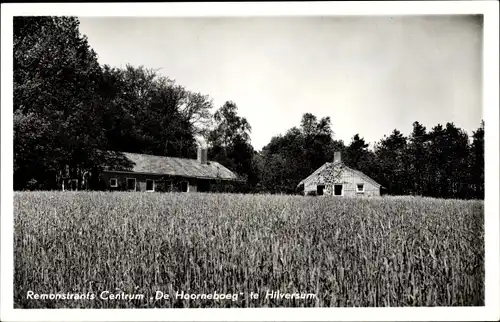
column 490, row 9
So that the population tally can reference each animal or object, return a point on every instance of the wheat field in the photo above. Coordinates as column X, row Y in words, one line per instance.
column 370, row 252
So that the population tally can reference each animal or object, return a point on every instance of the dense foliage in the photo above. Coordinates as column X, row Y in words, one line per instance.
column 67, row 108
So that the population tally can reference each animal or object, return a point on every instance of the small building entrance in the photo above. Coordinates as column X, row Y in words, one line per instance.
column 320, row 189
column 338, row 190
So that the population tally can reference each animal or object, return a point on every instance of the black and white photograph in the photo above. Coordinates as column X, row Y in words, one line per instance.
column 261, row 161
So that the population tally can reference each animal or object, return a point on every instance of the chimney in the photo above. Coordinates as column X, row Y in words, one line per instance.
column 337, row 157
column 202, row 155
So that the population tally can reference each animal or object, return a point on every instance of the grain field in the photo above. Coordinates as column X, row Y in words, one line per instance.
column 341, row 252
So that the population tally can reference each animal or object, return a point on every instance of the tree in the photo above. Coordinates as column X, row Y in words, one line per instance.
column 391, row 157
column 151, row 114
column 229, row 143
column 355, row 151
column 290, row 158
column 437, row 166
column 229, row 126
column 56, row 84
column 418, row 160
column 457, row 170
column 317, row 139
column 276, row 174
column 33, row 166
column 195, row 108
column 309, row 124
column 285, row 162
column 477, row 162
column 448, row 162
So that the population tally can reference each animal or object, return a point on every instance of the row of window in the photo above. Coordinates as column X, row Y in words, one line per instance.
column 132, row 184
column 338, row 189
column 150, row 184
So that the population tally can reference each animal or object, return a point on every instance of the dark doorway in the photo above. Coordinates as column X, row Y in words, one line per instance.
column 320, row 188
column 338, row 189
column 150, row 185
column 131, row 184
column 184, row 186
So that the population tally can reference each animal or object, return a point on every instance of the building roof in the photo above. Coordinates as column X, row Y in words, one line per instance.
column 328, row 164
column 315, row 173
column 160, row 165
column 364, row 176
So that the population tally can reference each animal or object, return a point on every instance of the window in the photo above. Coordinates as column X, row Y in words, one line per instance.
column 150, row 185
column 337, row 190
column 360, row 187
column 184, row 186
column 113, row 182
column 320, row 188
column 131, row 184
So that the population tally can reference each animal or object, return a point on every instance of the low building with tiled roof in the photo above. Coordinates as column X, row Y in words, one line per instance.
column 143, row 172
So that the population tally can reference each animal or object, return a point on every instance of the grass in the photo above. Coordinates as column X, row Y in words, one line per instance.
column 397, row 251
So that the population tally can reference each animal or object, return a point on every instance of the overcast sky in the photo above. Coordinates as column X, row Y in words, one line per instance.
column 369, row 74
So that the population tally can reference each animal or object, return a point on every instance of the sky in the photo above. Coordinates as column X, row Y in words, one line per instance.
column 370, row 74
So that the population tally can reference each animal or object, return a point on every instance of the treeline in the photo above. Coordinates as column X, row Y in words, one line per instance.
column 442, row 162
column 67, row 108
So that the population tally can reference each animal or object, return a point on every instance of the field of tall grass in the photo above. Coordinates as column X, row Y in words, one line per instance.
column 392, row 251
